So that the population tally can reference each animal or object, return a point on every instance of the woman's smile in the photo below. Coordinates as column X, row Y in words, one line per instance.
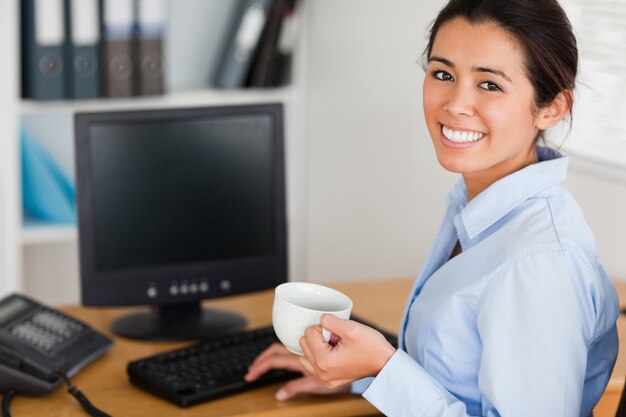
column 454, row 137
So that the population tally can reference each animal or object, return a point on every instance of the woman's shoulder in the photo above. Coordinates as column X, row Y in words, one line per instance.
column 545, row 232
column 549, row 240
column 551, row 219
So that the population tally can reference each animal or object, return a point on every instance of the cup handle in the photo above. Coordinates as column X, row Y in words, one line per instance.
column 326, row 334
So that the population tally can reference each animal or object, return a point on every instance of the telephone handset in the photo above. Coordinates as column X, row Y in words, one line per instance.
column 38, row 345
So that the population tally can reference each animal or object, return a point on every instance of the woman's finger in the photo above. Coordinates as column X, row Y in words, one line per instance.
column 308, row 384
column 307, row 365
column 316, row 344
column 289, row 362
column 273, row 349
column 308, row 355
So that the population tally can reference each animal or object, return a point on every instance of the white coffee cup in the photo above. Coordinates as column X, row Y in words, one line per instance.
column 298, row 305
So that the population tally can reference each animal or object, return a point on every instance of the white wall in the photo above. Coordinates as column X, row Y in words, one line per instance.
column 9, row 212
column 603, row 201
column 376, row 193
column 196, row 31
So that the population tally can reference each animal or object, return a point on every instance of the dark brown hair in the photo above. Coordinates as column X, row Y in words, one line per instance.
column 542, row 29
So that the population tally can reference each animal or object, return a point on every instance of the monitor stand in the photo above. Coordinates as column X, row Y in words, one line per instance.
column 178, row 322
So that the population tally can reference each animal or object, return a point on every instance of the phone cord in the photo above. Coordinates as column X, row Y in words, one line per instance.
column 6, row 403
column 82, row 399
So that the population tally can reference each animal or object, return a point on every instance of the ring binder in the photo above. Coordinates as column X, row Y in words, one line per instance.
column 243, row 42
column 82, row 30
column 149, row 45
column 117, row 44
column 43, row 37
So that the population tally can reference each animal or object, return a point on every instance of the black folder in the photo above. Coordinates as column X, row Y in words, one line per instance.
column 271, row 66
column 148, row 47
column 82, row 30
column 43, row 38
column 117, row 45
column 264, row 68
column 241, row 45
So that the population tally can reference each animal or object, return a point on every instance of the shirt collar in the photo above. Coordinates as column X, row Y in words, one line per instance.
column 504, row 195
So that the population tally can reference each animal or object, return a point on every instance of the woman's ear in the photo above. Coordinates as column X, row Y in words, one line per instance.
column 555, row 112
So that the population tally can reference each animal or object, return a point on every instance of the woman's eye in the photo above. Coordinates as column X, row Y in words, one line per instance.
column 441, row 75
column 489, row 86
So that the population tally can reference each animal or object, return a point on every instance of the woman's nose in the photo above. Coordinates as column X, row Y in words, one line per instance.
column 460, row 102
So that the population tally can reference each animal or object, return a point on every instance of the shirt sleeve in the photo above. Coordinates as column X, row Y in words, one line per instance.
column 404, row 388
column 536, row 322
column 535, row 318
column 359, row 387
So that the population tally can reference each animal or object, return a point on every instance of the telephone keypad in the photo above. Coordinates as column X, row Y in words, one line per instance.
column 46, row 330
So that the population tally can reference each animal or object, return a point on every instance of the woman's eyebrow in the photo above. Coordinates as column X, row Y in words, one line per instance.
column 492, row 71
column 476, row 69
column 442, row 60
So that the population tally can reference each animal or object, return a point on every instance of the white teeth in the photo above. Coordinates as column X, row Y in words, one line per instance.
column 465, row 136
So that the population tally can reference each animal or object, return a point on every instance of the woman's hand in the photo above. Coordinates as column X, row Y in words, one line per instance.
column 278, row 357
column 355, row 351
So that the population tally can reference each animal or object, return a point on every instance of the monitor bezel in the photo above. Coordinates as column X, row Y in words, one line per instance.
column 137, row 286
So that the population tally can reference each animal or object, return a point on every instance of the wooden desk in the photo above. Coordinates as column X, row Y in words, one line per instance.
column 105, row 381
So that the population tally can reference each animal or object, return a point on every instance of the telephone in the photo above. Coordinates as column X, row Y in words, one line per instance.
column 39, row 346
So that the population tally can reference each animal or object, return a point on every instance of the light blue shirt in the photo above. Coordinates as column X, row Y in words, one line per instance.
column 521, row 323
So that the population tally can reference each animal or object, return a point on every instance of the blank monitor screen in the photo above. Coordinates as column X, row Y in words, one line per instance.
column 179, row 205
column 182, row 192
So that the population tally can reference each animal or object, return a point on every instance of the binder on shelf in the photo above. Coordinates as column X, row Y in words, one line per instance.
column 264, row 67
column 82, row 30
column 289, row 34
column 43, row 38
column 117, row 44
column 150, row 27
column 242, row 43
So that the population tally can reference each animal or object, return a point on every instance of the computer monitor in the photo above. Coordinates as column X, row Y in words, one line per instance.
column 176, row 206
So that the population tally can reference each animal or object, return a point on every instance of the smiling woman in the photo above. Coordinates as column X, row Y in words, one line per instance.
column 512, row 314
column 492, row 96
column 463, row 99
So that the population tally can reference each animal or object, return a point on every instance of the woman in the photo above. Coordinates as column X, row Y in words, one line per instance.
column 512, row 314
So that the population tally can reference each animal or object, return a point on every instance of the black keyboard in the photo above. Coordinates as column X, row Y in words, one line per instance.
column 211, row 369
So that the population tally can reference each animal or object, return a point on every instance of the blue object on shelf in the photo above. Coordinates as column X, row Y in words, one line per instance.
column 47, row 193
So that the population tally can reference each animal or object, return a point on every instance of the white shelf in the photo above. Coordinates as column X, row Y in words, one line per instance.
column 38, row 234
column 195, row 98
column 28, row 247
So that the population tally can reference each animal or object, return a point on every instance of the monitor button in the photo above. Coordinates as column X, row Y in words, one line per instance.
column 174, row 289
column 152, row 291
column 204, row 286
column 225, row 285
column 193, row 288
column 183, row 289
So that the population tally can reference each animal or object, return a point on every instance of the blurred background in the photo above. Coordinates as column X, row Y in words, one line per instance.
column 365, row 191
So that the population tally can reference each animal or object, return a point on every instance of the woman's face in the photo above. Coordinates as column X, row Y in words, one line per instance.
column 478, row 102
